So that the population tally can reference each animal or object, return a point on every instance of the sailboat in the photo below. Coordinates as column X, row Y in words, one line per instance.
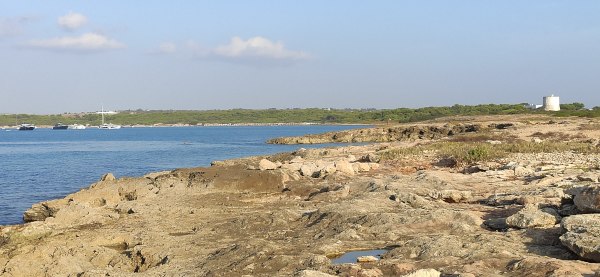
column 107, row 126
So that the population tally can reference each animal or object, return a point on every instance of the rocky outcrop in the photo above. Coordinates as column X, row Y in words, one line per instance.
column 531, row 216
column 399, row 133
column 265, row 164
column 588, row 199
column 289, row 214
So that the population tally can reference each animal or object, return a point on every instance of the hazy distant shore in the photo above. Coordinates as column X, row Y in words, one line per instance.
column 206, row 125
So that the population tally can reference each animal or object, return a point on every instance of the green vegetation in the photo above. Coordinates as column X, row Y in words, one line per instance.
column 314, row 115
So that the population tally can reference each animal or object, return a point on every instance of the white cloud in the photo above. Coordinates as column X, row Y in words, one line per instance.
column 257, row 48
column 72, row 21
column 85, row 42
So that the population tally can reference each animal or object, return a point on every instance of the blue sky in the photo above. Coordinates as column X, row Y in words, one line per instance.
column 70, row 56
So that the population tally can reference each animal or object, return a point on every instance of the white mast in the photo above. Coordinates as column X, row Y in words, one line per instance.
column 102, row 112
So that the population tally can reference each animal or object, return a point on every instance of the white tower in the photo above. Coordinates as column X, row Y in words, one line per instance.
column 551, row 103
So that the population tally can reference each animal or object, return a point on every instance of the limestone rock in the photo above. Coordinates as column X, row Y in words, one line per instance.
column 367, row 259
column 588, row 177
column 361, row 167
column 312, row 273
column 344, row 167
column 530, row 216
column 583, row 235
column 580, row 222
column 496, row 224
column 452, row 196
column 108, row 177
column 424, row 273
column 523, row 171
column 292, row 166
column 351, row 158
column 371, row 158
column 309, row 170
column 265, row 164
column 297, row 159
column 37, row 212
column 588, row 200
column 41, row 211
column 370, row 272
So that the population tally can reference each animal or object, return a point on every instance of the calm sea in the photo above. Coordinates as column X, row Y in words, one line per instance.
column 46, row 164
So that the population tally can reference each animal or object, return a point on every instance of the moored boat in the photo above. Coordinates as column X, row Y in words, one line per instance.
column 26, row 127
column 107, row 126
column 60, row 126
column 77, row 127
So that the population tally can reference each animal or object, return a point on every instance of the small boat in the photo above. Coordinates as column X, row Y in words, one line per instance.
column 77, row 127
column 109, row 126
column 26, row 127
column 60, row 126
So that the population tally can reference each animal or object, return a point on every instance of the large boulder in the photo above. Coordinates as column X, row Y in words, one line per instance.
column 588, row 200
column 344, row 167
column 582, row 235
column 265, row 164
column 531, row 216
column 41, row 211
column 309, row 170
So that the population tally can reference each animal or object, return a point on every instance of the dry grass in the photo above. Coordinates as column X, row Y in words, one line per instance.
column 485, row 137
column 558, row 136
column 589, row 127
column 466, row 153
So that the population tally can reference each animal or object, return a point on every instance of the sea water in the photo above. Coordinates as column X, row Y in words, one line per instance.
column 46, row 164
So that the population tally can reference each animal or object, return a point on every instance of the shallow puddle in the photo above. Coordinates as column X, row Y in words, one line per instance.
column 350, row 257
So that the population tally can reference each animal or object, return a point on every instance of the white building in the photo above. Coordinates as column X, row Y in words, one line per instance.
column 551, row 103
column 533, row 106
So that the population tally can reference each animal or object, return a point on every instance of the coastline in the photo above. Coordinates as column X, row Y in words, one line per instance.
column 211, row 125
column 288, row 213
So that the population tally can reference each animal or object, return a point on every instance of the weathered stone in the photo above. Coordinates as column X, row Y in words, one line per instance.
column 573, row 171
column 297, row 159
column 588, row 177
column 370, row 272
column 292, row 166
column 588, row 200
column 424, row 273
column 309, row 170
column 367, row 259
column 312, row 273
column 583, row 235
column 497, row 224
column 265, row 164
column 452, row 196
column 361, row 167
column 523, row 171
column 530, row 216
column 344, row 167
column 108, row 177
column 371, row 158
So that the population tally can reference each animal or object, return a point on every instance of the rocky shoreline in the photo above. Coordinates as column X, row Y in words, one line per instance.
column 529, row 213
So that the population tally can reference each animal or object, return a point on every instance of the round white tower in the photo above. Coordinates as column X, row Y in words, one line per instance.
column 551, row 103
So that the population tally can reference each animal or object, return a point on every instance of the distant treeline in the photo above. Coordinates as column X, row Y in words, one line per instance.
column 313, row 115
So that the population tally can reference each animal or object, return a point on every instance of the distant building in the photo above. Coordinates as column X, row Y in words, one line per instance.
column 533, row 106
column 551, row 103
